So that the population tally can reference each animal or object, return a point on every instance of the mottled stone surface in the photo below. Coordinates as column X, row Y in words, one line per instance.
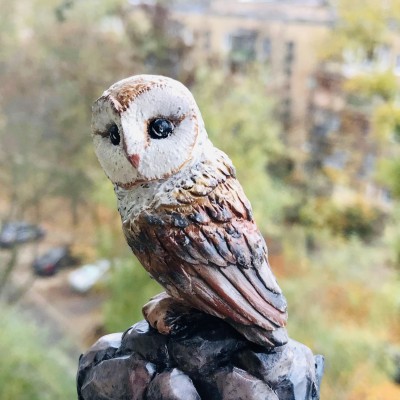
column 125, row 377
column 147, row 342
column 172, row 385
column 207, row 360
column 212, row 346
column 290, row 370
column 104, row 349
column 236, row 384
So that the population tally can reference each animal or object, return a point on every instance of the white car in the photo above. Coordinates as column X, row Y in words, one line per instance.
column 85, row 277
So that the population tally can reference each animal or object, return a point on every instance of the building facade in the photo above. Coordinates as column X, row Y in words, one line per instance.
column 285, row 35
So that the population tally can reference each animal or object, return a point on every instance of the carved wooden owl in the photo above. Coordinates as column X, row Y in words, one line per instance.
column 184, row 213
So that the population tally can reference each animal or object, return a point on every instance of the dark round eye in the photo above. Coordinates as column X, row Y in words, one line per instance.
column 113, row 134
column 160, row 128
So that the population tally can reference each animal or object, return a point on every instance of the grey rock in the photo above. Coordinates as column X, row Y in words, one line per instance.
column 142, row 339
column 271, row 366
column 121, row 378
column 319, row 372
column 303, row 383
column 240, row 385
column 207, row 350
column 104, row 349
column 140, row 376
column 172, row 385
column 102, row 382
column 290, row 370
column 207, row 360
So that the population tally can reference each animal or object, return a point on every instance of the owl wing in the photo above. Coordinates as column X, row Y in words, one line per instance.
column 208, row 251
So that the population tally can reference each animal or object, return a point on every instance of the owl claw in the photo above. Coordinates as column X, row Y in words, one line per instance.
column 164, row 312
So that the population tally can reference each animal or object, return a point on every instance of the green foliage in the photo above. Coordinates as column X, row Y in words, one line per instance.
column 343, row 303
column 392, row 237
column 130, row 288
column 239, row 119
column 363, row 30
column 389, row 174
column 158, row 41
column 363, row 22
column 31, row 369
column 386, row 121
column 356, row 219
column 362, row 26
column 47, row 107
column 49, row 82
column 396, row 250
column 380, row 84
column 364, row 222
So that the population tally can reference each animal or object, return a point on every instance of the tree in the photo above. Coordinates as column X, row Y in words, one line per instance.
column 357, row 139
column 239, row 120
column 33, row 369
column 159, row 44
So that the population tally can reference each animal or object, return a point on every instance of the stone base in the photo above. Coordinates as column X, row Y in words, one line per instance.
column 208, row 361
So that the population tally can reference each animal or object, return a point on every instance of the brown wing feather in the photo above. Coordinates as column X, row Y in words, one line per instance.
column 209, row 252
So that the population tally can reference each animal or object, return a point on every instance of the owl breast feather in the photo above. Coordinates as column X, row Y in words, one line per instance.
column 206, row 249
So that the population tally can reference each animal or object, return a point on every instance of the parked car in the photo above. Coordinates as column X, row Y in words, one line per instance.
column 50, row 262
column 85, row 277
column 18, row 232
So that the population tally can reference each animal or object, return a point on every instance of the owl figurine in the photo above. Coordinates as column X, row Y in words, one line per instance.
column 184, row 213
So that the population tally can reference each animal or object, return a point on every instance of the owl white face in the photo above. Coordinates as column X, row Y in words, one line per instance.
column 145, row 128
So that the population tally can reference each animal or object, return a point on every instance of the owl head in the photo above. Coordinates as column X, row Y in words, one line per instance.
column 146, row 128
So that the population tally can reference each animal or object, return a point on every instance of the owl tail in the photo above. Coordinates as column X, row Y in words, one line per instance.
column 262, row 337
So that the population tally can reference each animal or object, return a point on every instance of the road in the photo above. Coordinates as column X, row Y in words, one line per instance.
column 70, row 318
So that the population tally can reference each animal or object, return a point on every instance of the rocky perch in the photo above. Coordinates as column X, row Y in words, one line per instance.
column 206, row 360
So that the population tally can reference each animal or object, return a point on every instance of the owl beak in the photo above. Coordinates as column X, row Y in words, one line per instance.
column 134, row 159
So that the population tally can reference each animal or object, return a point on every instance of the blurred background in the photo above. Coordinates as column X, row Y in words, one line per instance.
column 303, row 95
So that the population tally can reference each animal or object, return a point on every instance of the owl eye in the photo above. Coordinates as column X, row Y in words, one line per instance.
column 160, row 128
column 113, row 134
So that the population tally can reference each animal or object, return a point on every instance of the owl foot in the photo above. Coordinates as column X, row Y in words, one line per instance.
column 166, row 314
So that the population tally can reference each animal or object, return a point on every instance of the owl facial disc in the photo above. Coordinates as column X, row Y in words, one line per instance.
column 146, row 128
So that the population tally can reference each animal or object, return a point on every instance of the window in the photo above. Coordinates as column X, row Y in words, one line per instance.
column 207, row 40
column 382, row 57
column 397, row 65
column 289, row 53
column 242, row 48
column 266, row 49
